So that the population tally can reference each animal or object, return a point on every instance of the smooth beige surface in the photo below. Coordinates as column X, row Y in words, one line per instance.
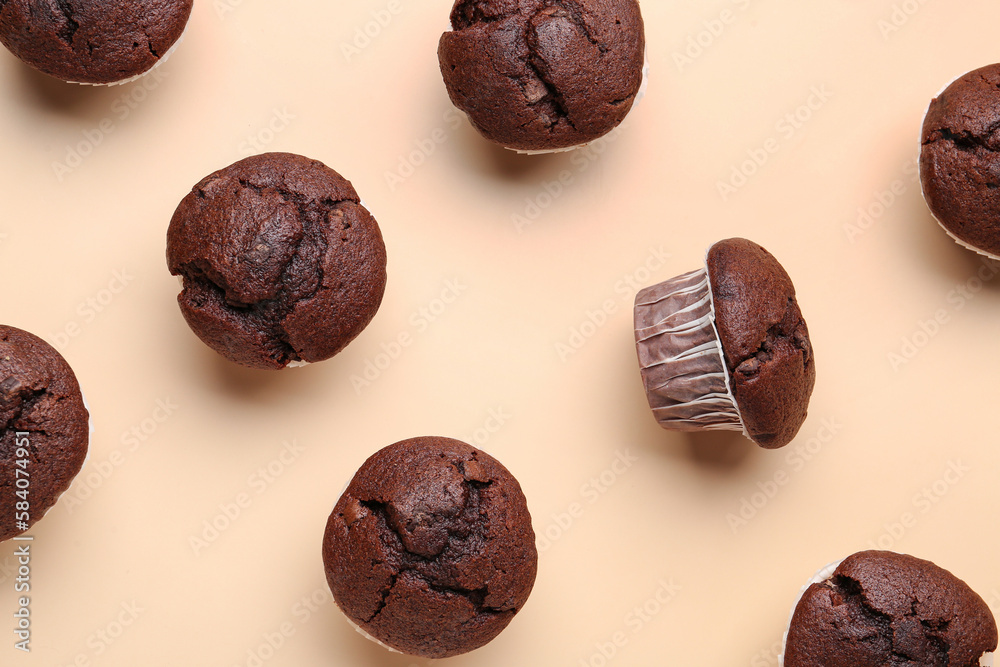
column 488, row 304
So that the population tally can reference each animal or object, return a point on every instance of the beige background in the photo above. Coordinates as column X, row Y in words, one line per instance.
column 485, row 289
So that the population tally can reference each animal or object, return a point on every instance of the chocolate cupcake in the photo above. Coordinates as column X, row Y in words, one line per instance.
column 430, row 549
column 280, row 261
column 96, row 42
column 960, row 160
column 542, row 76
column 879, row 608
column 44, row 429
column 726, row 348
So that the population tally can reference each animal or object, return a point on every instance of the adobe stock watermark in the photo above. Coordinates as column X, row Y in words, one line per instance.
column 21, row 465
column 408, row 163
column 798, row 455
column 624, row 291
column 703, row 38
column 901, row 14
column 120, row 111
column 258, row 142
column 88, row 310
column 590, row 493
column 271, row 642
column 302, row 611
column 367, row 34
column 921, row 504
column 419, row 322
column 581, row 160
column 132, row 440
column 994, row 601
column 869, row 215
column 929, row 328
column 102, row 639
column 785, row 129
column 230, row 511
column 635, row 621
column 496, row 419
column 225, row 7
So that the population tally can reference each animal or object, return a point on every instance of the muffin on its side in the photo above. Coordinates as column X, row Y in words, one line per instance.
column 280, row 261
column 726, row 347
column 879, row 608
column 960, row 160
column 541, row 76
column 44, row 429
column 93, row 41
column 430, row 549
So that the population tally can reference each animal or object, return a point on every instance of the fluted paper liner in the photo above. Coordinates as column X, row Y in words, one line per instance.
column 367, row 636
column 824, row 575
column 680, row 356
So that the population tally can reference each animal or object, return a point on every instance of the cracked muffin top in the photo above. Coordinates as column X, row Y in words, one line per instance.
column 430, row 549
column 92, row 41
column 960, row 159
column 44, row 429
column 280, row 261
column 764, row 340
column 543, row 74
column 883, row 609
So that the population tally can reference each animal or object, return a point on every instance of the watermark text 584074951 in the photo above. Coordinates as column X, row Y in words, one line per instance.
column 22, row 543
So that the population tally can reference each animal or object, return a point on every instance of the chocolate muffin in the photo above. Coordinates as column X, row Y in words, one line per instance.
column 726, row 347
column 44, row 429
column 92, row 41
column 960, row 160
column 430, row 549
column 883, row 609
column 539, row 75
column 280, row 261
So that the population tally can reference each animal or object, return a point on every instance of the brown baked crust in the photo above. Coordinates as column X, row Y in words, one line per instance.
column 92, row 41
column 543, row 74
column 280, row 260
column 883, row 609
column 960, row 158
column 764, row 339
column 430, row 549
column 39, row 395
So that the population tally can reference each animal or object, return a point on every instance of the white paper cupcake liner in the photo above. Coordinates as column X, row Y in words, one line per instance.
column 123, row 82
column 681, row 359
column 920, row 178
column 370, row 638
column 824, row 575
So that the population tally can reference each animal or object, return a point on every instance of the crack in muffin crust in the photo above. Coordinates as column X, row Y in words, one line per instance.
column 883, row 609
column 40, row 396
column 279, row 259
column 526, row 73
column 430, row 548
